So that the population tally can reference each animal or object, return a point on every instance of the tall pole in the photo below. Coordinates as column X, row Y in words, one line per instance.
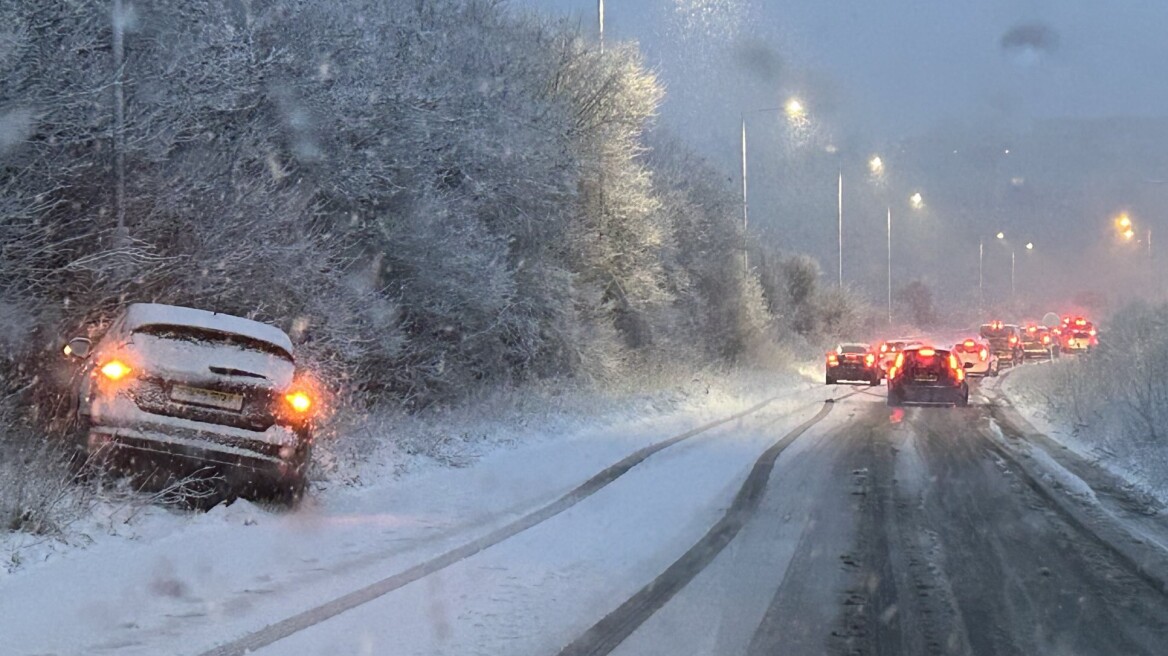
column 745, row 209
column 1013, row 292
column 118, row 18
column 980, row 274
column 890, row 264
column 840, row 225
column 600, row 19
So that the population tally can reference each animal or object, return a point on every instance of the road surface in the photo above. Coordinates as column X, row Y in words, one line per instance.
column 796, row 527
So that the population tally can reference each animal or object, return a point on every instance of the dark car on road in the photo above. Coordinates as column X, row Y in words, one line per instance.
column 852, row 362
column 1005, row 342
column 928, row 376
column 1038, row 343
column 1077, row 335
column 199, row 392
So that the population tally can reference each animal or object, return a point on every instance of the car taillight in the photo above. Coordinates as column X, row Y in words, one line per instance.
column 1013, row 339
column 299, row 402
column 870, row 359
column 115, row 370
column 1091, row 332
column 927, row 352
column 969, row 344
column 883, row 348
column 899, row 364
column 1046, row 339
column 983, row 354
column 892, row 371
column 958, row 370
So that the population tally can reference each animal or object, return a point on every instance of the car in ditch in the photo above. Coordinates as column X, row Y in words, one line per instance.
column 925, row 375
column 199, row 391
column 853, row 363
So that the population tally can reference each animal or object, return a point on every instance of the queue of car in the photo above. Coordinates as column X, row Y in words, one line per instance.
column 920, row 373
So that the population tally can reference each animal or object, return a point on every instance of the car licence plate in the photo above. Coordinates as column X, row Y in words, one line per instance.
column 211, row 398
column 925, row 379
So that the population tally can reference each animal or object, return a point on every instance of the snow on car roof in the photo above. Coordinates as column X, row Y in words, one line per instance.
column 153, row 314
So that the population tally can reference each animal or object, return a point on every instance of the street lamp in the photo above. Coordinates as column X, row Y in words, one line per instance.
column 876, row 165
column 917, row 202
column 795, row 111
column 1000, row 236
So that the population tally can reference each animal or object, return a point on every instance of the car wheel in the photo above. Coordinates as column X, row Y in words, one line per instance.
column 963, row 401
column 995, row 370
column 875, row 382
column 829, row 380
column 894, row 400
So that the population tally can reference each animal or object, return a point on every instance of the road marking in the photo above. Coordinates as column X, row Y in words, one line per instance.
column 313, row 616
column 604, row 636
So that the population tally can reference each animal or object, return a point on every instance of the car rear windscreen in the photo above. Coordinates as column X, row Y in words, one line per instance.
column 211, row 338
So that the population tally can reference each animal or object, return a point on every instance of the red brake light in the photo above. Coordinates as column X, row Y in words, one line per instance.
column 899, row 364
column 870, row 359
column 1091, row 332
column 983, row 354
column 892, row 372
column 927, row 352
column 1013, row 339
column 883, row 348
column 1046, row 339
column 969, row 343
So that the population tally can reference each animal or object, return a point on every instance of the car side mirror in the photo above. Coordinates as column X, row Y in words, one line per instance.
column 968, row 365
column 78, row 347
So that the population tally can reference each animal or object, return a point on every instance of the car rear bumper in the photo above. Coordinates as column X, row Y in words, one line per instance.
column 120, row 423
column 979, row 368
column 852, row 372
column 930, row 394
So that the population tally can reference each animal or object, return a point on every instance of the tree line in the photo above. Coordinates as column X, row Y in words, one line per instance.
column 430, row 196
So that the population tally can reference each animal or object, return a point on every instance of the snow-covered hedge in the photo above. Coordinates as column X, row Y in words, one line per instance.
column 430, row 197
column 1114, row 399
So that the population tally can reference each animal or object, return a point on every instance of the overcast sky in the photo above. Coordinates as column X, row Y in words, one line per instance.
column 895, row 67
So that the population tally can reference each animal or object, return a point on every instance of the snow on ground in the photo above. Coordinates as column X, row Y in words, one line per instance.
column 148, row 573
column 1028, row 390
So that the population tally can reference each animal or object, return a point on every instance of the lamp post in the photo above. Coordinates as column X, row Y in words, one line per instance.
column 916, row 201
column 600, row 20
column 889, row 265
column 796, row 113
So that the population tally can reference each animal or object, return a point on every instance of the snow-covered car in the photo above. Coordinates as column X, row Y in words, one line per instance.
column 929, row 376
column 852, row 362
column 199, row 390
column 1077, row 335
column 1038, row 343
column 888, row 350
column 1005, row 341
column 976, row 357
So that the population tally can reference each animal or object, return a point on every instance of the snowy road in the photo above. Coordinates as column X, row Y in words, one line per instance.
column 794, row 526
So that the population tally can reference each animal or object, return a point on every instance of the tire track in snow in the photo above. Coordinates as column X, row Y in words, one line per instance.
column 308, row 618
column 604, row 636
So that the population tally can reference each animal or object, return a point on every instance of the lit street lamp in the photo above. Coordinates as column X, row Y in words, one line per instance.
column 917, row 202
column 794, row 110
